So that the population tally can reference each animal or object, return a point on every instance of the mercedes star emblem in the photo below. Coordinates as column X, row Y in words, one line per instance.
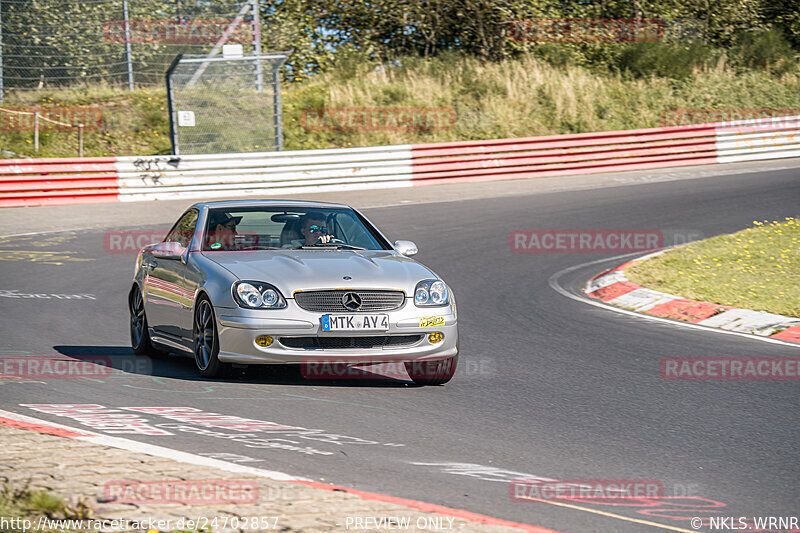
column 352, row 301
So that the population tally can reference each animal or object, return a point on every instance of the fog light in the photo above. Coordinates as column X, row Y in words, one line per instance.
column 435, row 337
column 264, row 340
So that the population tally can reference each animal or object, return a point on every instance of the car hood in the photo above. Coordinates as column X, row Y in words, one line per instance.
column 292, row 270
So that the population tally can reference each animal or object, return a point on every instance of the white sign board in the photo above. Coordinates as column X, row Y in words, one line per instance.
column 186, row 119
column 232, row 50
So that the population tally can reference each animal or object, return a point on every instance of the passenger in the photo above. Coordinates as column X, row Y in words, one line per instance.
column 221, row 233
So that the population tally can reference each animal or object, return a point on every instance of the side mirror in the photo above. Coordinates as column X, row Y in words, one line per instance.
column 407, row 248
column 168, row 250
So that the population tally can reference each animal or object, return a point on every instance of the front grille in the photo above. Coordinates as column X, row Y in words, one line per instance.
column 331, row 301
column 342, row 343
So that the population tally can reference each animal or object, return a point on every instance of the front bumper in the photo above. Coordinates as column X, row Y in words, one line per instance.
column 238, row 329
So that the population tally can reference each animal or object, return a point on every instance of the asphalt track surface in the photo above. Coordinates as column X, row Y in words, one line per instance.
column 547, row 386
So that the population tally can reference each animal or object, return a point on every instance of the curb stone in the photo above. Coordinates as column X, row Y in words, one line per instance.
column 296, row 505
column 613, row 287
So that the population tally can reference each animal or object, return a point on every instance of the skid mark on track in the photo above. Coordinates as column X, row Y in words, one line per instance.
column 10, row 251
column 35, row 256
column 40, row 242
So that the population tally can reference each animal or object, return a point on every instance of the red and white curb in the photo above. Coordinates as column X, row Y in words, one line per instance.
column 10, row 419
column 613, row 287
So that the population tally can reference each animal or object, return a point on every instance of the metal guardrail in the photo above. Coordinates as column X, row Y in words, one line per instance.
column 59, row 181
column 194, row 176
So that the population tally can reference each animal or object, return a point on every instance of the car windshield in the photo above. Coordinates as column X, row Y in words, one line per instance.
column 269, row 228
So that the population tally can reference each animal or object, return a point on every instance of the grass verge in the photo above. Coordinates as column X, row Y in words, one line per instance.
column 19, row 504
column 756, row 268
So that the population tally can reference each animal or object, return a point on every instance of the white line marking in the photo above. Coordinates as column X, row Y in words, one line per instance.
column 553, row 281
column 158, row 451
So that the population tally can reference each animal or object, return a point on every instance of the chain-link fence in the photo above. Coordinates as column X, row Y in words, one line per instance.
column 67, row 43
column 225, row 104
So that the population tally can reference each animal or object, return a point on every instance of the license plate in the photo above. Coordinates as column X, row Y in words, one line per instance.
column 354, row 322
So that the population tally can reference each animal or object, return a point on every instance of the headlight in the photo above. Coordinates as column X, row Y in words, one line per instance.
column 431, row 293
column 257, row 295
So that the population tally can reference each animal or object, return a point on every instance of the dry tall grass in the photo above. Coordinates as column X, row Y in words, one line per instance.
column 515, row 98
column 519, row 98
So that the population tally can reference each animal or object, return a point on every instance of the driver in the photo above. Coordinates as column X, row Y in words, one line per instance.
column 314, row 230
column 221, row 231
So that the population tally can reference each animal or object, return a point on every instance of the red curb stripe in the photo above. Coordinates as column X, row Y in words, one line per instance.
column 687, row 310
column 421, row 506
column 681, row 309
column 428, row 507
column 512, row 173
column 609, row 292
column 625, row 265
column 568, row 139
column 41, row 428
column 791, row 334
column 621, row 267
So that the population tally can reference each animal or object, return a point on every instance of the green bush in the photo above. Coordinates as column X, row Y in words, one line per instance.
column 764, row 49
column 666, row 60
column 557, row 54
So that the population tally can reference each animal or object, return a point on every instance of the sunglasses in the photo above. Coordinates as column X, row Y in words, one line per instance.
column 314, row 229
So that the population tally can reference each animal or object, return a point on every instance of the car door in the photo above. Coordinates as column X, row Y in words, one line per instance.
column 166, row 293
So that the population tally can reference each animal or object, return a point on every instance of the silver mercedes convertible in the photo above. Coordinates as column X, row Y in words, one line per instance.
column 286, row 282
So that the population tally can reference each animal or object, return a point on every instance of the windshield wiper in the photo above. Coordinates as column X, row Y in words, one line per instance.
column 331, row 245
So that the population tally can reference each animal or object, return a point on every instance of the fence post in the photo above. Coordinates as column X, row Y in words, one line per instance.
column 127, row 44
column 35, row 131
column 257, row 45
column 80, row 140
column 173, row 128
column 276, row 83
column 1, row 52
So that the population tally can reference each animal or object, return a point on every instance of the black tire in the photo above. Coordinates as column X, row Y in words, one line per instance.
column 206, row 340
column 140, row 336
column 432, row 372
